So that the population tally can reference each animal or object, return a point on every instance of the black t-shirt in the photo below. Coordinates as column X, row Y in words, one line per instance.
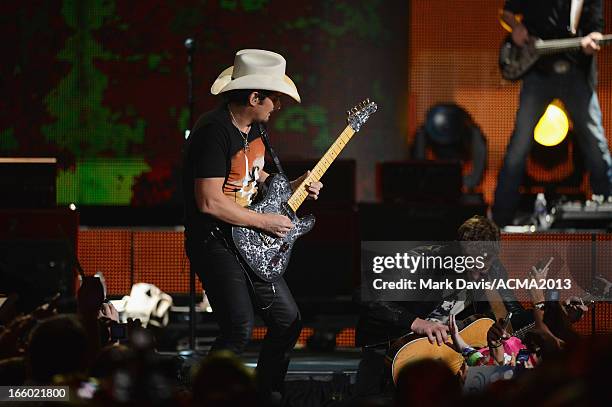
column 215, row 149
column 549, row 19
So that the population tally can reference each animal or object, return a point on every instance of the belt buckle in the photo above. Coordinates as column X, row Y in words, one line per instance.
column 561, row 67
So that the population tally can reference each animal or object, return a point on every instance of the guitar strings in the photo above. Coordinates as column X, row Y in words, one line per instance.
column 569, row 43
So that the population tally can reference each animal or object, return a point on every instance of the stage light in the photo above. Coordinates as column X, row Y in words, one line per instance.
column 554, row 162
column 447, row 124
column 451, row 134
column 553, row 126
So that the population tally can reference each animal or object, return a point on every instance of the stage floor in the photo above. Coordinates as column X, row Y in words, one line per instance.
column 313, row 378
column 306, row 363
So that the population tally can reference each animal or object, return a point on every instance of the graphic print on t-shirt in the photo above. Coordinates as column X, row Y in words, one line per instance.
column 241, row 184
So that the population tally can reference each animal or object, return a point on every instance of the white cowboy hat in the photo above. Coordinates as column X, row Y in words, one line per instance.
column 256, row 69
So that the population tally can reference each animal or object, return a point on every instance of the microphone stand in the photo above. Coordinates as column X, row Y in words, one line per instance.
column 191, row 46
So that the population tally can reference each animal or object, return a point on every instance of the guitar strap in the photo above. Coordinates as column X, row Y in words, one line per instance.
column 266, row 140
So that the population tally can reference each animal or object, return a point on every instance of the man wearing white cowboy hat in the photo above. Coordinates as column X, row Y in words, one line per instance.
column 222, row 169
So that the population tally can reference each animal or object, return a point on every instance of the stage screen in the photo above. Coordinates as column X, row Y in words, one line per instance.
column 102, row 85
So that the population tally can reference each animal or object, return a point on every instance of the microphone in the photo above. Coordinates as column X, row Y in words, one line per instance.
column 190, row 44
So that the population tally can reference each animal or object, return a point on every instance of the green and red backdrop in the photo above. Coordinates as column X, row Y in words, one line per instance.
column 101, row 84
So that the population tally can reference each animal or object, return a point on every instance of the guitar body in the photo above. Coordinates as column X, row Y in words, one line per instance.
column 266, row 255
column 515, row 61
column 412, row 347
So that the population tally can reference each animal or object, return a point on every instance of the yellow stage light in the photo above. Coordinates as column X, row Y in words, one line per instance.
column 552, row 127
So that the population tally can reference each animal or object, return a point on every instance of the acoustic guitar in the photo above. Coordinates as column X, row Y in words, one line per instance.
column 413, row 347
column 473, row 330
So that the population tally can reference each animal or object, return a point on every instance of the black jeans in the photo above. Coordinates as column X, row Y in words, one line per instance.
column 235, row 297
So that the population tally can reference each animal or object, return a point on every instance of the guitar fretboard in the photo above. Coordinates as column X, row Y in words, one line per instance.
column 523, row 331
column 324, row 163
column 587, row 299
column 565, row 45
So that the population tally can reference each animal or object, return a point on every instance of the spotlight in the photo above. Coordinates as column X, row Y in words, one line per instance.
column 447, row 124
column 554, row 161
column 554, row 166
column 553, row 126
column 451, row 134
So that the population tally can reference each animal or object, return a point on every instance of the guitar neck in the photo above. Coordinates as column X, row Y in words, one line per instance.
column 318, row 171
column 588, row 299
column 545, row 47
column 523, row 331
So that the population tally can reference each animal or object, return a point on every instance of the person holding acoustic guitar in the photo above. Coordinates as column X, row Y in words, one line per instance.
column 569, row 77
column 384, row 324
column 223, row 168
column 547, row 334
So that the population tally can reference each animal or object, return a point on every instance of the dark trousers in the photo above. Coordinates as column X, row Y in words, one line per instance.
column 235, row 298
column 582, row 105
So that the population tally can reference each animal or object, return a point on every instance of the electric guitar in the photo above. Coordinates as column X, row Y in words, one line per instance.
column 515, row 61
column 266, row 255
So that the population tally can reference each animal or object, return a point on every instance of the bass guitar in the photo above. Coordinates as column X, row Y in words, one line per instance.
column 266, row 255
column 515, row 61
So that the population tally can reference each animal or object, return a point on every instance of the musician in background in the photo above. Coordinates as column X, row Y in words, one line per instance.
column 476, row 236
column 381, row 323
column 568, row 77
column 223, row 167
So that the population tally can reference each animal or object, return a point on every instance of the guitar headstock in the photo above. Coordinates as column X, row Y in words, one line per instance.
column 358, row 115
